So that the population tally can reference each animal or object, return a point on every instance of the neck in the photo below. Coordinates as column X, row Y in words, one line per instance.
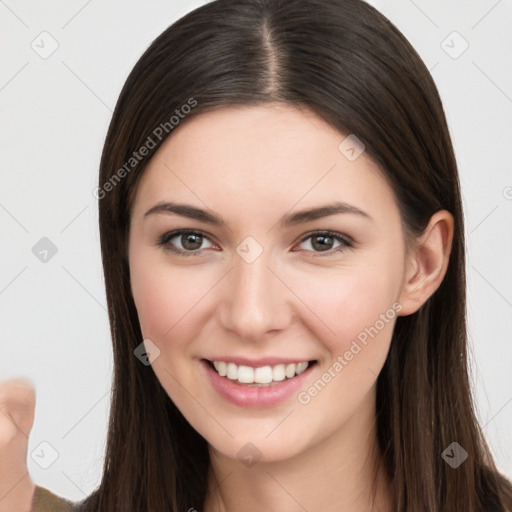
column 343, row 471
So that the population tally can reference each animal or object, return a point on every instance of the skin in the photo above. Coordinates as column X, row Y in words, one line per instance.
column 251, row 166
column 17, row 406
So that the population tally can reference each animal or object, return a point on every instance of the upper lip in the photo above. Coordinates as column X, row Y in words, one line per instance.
column 262, row 361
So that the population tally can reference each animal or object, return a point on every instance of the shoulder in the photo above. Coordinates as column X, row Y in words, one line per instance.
column 45, row 501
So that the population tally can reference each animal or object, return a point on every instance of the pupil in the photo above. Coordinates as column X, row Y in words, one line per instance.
column 323, row 245
column 188, row 237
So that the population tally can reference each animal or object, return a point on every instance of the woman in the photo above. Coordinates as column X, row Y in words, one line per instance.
column 281, row 223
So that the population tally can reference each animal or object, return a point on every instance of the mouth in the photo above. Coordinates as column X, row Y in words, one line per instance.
column 260, row 376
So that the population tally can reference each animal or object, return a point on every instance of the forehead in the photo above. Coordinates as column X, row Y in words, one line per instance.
column 263, row 156
column 261, row 133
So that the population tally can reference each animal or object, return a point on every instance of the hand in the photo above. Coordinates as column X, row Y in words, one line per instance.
column 17, row 406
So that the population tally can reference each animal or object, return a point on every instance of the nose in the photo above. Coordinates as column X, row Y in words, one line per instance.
column 256, row 301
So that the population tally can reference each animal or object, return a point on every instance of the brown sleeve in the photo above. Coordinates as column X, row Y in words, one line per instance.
column 45, row 501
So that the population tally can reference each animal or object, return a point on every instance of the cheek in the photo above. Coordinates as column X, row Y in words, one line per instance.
column 351, row 303
column 369, row 297
column 164, row 297
column 361, row 309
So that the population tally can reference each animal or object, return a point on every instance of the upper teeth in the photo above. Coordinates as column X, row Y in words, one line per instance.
column 260, row 375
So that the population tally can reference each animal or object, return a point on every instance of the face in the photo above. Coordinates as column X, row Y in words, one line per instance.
column 255, row 285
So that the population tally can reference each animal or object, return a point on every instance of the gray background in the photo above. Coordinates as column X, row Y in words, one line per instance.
column 55, row 114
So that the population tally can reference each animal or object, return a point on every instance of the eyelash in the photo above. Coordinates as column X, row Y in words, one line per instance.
column 164, row 241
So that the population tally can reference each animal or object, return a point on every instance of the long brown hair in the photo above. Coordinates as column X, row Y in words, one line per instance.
column 346, row 62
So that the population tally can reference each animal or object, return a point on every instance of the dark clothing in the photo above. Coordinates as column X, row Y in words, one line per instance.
column 45, row 501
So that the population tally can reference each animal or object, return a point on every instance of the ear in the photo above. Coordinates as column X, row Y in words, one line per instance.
column 426, row 262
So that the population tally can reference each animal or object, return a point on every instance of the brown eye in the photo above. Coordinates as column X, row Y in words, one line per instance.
column 324, row 242
column 186, row 243
column 191, row 241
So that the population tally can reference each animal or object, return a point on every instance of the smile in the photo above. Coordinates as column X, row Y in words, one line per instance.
column 260, row 384
column 259, row 376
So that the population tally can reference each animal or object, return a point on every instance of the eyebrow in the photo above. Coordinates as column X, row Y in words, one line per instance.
column 292, row 219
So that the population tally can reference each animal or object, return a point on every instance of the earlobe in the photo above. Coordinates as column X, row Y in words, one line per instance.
column 427, row 263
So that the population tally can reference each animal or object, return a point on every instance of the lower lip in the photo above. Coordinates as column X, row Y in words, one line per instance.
column 246, row 396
